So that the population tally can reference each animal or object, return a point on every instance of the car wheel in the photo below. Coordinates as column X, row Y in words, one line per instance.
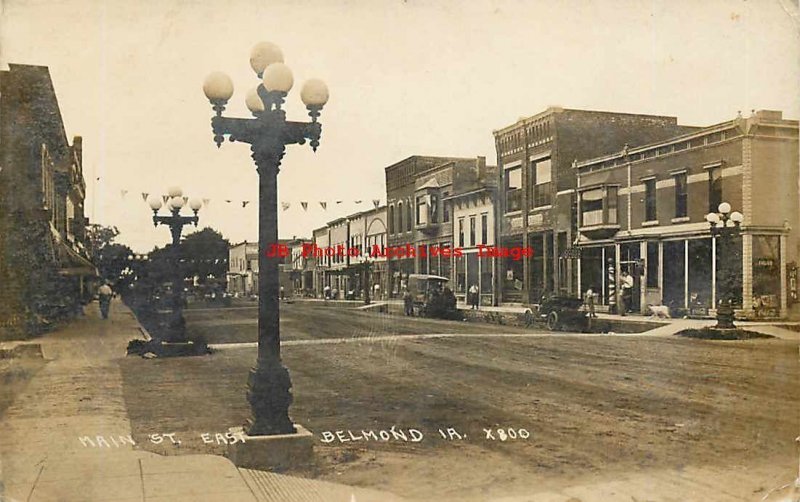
column 552, row 321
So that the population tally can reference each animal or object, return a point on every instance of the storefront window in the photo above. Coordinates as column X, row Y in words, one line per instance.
column 652, row 265
column 461, row 275
column 486, row 274
column 700, row 273
column 766, row 275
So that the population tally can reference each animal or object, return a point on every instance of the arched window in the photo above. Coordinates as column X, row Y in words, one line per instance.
column 410, row 218
column 400, row 227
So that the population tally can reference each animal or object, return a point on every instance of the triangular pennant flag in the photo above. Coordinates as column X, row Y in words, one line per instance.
column 123, row 193
column 165, row 198
column 338, row 202
column 285, row 205
column 144, row 196
column 305, row 205
column 324, row 205
column 376, row 203
column 245, row 203
column 357, row 201
column 206, row 202
column 185, row 199
column 228, row 201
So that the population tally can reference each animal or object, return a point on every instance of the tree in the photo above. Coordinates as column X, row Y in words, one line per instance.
column 99, row 236
column 204, row 254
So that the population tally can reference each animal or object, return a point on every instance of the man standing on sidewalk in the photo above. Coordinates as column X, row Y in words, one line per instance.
column 104, row 295
column 626, row 287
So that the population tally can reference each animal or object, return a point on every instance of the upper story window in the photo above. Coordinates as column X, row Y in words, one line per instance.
column 410, row 218
column 434, row 199
column 542, row 177
column 472, row 241
column 391, row 219
column 461, row 232
column 422, row 210
column 400, row 227
column 445, row 207
column 599, row 206
column 650, row 200
column 714, row 188
column 513, row 188
column 484, row 228
column 681, row 195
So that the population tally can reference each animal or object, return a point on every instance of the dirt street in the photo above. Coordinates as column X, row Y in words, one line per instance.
column 593, row 408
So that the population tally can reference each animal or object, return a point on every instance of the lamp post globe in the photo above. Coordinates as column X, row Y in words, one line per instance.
column 724, row 226
column 314, row 93
column 264, row 54
column 724, row 208
column 218, row 87
column 195, row 204
column 253, row 101
column 154, row 201
column 278, row 78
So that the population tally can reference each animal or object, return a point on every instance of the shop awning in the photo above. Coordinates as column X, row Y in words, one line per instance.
column 73, row 263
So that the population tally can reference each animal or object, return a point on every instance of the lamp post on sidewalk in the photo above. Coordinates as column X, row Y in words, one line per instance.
column 267, row 133
column 725, row 225
column 177, row 324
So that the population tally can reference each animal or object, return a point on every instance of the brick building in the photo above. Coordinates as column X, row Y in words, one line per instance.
column 537, row 189
column 472, row 206
column 418, row 191
column 45, row 270
column 643, row 208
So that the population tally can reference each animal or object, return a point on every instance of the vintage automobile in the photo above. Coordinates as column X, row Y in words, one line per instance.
column 427, row 292
column 562, row 312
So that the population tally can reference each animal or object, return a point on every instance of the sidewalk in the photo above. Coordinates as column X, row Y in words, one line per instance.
column 66, row 437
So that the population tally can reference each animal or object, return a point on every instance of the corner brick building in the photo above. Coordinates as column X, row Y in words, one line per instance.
column 644, row 209
column 537, row 190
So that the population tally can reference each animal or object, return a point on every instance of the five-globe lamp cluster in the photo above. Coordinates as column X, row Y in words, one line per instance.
column 175, row 202
column 266, row 59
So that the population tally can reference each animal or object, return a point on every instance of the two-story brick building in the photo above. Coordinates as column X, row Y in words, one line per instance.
column 242, row 273
column 418, row 191
column 642, row 209
column 45, row 270
column 537, row 189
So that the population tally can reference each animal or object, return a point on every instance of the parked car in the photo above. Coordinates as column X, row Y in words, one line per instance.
column 562, row 312
column 430, row 297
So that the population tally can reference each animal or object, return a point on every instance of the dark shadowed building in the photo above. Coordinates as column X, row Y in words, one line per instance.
column 44, row 264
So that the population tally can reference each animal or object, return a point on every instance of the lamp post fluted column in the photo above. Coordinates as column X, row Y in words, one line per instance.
column 725, row 225
column 177, row 324
column 268, row 133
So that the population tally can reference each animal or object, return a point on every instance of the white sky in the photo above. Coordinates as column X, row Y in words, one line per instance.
column 415, row 77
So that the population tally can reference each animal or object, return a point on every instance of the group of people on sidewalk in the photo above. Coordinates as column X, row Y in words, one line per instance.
column 626, row 295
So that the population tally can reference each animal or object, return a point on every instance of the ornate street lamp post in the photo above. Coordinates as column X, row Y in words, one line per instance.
column 725, row 225
column 176, row 328
column 267, row 133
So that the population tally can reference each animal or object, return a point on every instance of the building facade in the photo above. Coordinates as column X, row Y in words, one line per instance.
column 537, row 184
column 642, row 210
column 243, row 269
column 45, row 268
column 418, row 191
column 473, row 218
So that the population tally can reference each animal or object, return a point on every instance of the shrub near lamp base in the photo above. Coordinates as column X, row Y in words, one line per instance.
column 278, row 451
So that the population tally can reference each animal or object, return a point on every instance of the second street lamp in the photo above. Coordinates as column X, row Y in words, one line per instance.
column 267, row 133
column 176, row 327
column 725, row 225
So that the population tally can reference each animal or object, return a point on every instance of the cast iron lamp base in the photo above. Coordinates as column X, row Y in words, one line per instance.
column 269, row 395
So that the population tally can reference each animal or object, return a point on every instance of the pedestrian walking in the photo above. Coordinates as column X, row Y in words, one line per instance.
column 589, row 299
column 376, row 294
column 626, row 288
column 283, row 293
column 474, row 296
column 408, row 302
column 104, row 294
column 326, row 292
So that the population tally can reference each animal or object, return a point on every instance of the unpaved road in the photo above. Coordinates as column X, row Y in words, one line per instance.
column 596, row 409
